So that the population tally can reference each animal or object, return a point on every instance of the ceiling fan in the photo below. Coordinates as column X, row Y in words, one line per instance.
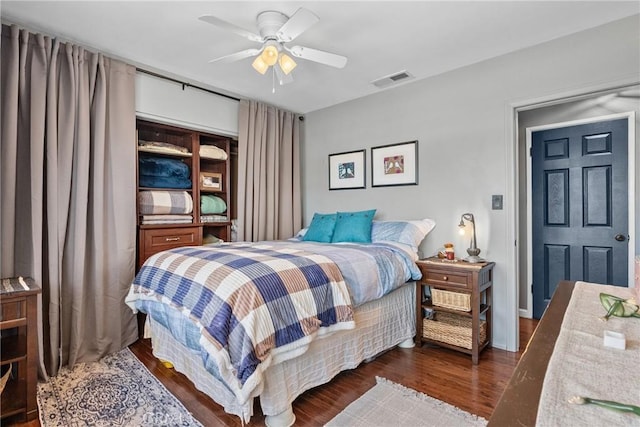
column 275, row 30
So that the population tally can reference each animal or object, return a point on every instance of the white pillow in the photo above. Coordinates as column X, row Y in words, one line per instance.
column 410, row 233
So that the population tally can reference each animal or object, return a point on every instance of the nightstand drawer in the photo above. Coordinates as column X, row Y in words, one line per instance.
column 447, row 279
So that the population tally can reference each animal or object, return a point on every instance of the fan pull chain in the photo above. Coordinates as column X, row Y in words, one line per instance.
column 273, row 80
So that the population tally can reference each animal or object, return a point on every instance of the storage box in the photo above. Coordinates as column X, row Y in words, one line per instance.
column 452, row 329
column 454, row 300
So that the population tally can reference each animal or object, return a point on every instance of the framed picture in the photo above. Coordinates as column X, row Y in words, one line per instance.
column 211, row 181
column 394, row 164
column 347, row 170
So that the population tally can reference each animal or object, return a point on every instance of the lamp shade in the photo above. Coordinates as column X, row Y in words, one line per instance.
column 259, row 65
column 270, row 55
column 287, row 64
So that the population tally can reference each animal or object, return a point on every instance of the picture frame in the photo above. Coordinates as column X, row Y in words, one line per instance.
column 394, row 164
column 347, row 170
column 210, row 181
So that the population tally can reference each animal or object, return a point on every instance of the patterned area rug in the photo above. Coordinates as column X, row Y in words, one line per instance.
column 116, row 391
column 391, row 404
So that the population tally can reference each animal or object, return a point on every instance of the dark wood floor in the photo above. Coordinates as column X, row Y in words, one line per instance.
column 444, row 374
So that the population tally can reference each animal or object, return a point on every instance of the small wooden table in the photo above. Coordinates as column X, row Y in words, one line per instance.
column 19, row 348
column 475, row 280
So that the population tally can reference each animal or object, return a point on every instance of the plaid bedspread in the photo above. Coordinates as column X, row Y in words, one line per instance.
column 255, row 304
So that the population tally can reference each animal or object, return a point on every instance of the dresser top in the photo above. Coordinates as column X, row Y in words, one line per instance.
column 458, row 263
column 14, row 286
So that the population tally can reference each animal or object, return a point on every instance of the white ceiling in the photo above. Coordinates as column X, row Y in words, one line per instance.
column 380, row 38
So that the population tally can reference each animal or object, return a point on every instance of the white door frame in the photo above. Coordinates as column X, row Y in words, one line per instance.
column 630, row 116
column 512, row 153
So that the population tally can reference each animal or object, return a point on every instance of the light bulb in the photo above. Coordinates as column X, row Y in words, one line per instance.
column 259, row 65
column 287, row 64
column 270, row 55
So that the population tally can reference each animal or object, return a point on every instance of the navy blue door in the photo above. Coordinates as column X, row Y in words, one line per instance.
column 579, row 207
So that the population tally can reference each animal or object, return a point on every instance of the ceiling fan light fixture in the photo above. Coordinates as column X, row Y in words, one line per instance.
column 259, row 65
column 270, row 54
column 287, row 64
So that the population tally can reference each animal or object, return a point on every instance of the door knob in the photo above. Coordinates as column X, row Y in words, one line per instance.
column 620, row 237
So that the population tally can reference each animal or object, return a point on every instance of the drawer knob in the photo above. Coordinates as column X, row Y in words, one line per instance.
column 445, row 278
column 171, row 239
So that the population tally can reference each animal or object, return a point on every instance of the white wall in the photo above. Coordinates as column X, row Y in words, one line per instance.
column 166, row 101
column 463, row 121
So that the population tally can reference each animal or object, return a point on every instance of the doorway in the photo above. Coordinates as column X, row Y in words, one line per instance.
column 619, row 103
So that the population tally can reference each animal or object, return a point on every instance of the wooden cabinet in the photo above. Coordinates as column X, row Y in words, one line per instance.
column 19, row 349
column 209, row 175
column 458, row 297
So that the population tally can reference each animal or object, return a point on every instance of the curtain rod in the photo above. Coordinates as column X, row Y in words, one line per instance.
column 184, row 84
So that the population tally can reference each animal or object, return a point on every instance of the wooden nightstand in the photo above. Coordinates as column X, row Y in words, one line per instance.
column 462, row 309
column 19, row 348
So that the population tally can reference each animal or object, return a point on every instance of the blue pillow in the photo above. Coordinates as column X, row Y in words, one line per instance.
column 353, row 227
column 321, row 228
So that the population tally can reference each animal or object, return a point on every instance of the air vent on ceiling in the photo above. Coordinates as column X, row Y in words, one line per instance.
column 394, row 78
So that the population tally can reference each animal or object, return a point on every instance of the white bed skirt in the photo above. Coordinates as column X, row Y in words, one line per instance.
column 380, row 325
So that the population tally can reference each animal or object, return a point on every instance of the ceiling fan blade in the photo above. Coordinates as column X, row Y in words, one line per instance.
column 283, row 78
column 237, row 56
column 299, row 22
column 230, row 27
column 320, row 56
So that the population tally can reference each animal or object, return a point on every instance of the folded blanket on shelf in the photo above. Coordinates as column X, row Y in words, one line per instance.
column 164, row 182
column 167, row 217
column 166, row 221
column 212, row 205
column 162, row 147
column 160, row 172
column 164, row 202
column 212, row 152
column 214, row 218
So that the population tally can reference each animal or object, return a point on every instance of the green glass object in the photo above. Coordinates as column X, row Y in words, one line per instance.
column 618, row 307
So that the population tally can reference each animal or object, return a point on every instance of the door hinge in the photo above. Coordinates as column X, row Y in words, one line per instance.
column 530, row 151
column 532, row 289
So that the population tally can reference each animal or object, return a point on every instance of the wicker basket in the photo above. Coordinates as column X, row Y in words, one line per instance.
column 452, row 329
column 5, row 377
column 454, row 300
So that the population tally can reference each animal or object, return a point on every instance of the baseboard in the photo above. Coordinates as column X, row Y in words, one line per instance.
column 525, row 313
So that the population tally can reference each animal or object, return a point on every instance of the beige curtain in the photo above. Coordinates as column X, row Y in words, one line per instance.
column 269, row 201
column 67, row 192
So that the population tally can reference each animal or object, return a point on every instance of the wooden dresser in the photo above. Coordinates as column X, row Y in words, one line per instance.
column 19, row 348
column 518, row 405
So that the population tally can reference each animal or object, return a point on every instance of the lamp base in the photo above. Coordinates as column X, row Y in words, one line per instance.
column 473, row 259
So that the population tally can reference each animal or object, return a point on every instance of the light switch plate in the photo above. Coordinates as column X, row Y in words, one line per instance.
column 496, row 202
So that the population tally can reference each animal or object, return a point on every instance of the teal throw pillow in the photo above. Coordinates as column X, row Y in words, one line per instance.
column 321, row 228
column 353, row 227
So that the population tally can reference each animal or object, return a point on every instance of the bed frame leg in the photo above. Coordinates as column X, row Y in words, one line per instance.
column 408, row 343
column 283, row 419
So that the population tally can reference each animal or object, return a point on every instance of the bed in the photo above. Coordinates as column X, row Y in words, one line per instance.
column 274, row 319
